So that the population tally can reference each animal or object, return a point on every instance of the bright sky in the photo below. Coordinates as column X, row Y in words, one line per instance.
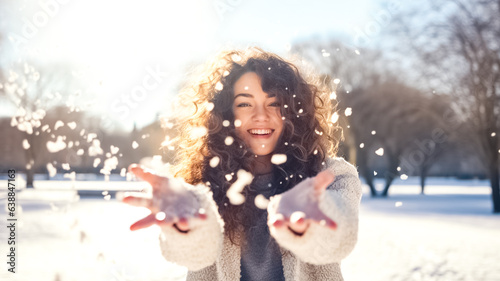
column 129, row 56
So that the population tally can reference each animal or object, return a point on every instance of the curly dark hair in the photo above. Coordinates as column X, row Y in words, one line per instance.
column 308, row 136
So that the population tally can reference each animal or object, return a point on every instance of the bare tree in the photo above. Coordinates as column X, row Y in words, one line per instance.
column 457, row 45
column 386, row 113
column 35, row 94
column 393, row 116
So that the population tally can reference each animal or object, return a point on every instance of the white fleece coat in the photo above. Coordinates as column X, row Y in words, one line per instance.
column 209, row 255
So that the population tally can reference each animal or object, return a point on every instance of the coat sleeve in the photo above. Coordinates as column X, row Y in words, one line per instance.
column 340, row 201
column 199, row 247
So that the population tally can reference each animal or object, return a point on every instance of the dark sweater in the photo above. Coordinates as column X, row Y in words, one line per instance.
column 260, row 254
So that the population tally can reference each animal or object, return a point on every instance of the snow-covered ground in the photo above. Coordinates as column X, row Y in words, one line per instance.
column 447, row 234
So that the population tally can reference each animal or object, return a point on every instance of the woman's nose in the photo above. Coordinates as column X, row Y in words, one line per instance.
column 260, row 114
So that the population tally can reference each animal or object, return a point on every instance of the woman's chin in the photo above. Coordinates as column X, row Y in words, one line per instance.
column 261, row 152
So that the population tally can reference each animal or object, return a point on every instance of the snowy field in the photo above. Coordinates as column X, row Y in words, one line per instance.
column 448, row 234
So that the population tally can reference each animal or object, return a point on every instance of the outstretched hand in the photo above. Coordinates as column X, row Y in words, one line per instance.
column 172, row 204
column 299, row 207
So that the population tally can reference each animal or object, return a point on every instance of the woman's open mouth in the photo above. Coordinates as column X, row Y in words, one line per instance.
column 261, row 133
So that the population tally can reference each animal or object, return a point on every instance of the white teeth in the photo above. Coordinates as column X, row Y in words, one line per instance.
column 260, row 131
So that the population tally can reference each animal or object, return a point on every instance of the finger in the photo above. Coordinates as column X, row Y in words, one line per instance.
column 145, row 174
column 183, row 224
column 143, row 223
column 277, row 220
column 323, row 180
column 163, row 220
column 201, row 214
column 326, row 221
column 138, row 201
column 298, row 223
column 298, row 217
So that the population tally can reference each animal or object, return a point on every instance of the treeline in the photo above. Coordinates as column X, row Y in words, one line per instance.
column 391, row 128
column 66, row 141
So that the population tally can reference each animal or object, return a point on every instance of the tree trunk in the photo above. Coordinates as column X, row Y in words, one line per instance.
column 389, row 178
column 30, row 173
column 423, row 177
column 392, row 172
column 369, row 181
column 362, row 158
column 495, row 186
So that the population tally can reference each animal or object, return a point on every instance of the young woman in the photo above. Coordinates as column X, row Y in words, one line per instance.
column 255, row 129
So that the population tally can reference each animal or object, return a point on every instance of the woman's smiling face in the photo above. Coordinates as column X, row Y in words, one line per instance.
column 259, row 114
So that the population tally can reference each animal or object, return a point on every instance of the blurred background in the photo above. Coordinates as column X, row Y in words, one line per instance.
column 84, row 84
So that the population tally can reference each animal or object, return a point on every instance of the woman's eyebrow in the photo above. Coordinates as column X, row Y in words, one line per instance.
column 244, row 95
column 251, row 96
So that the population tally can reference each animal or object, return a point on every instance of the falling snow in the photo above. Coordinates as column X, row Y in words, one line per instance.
column 379, row 151
column 160, row 216
column 58, row 125
column 210, row 106
column 214, row 161
column 56, row 146
column 135, row 145
column 52, row 170
column 109, row 165
column 26, row 144
column 229, row 140
column 72, row 125
column 335, row 117
column 237, row 123
column 244, row 178
column 278, row 159
column 114, row 149
column 95, row 149
column 91, row 136
column 348, row 111
column 71, row 176
column 261, row 202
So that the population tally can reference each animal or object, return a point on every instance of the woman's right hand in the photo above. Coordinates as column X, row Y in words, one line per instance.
column 172, row 204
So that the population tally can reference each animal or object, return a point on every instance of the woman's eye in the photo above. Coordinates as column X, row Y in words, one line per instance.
column 275, row 104
column 243, row 105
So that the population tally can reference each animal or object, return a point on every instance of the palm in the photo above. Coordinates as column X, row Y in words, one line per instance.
column 172, row 203
column 299, row 207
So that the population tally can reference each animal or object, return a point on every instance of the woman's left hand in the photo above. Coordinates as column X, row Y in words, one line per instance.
column 299, row 206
